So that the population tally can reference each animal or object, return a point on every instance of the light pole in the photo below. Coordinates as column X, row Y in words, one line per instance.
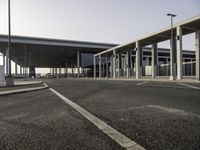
column 171, row 48
column 9, row 78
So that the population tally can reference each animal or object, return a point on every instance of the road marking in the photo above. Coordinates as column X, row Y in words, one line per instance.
column 112, row 133
column 142, row 83
column 194, row 87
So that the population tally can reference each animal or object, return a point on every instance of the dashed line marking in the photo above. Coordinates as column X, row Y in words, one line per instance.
column 193, row 87
column 111, row 132
column 142, row 83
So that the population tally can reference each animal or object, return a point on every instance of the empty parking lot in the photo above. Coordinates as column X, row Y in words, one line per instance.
column 155, row 115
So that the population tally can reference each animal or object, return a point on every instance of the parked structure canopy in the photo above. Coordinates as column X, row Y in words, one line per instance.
column 46, row 52
column 183, row 28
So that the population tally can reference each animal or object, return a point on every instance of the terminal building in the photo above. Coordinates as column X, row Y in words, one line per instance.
column 125, row 66
column 136, row 59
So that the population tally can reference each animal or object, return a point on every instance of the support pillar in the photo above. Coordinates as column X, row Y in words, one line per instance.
column 179, row 52
column 7, row 62
column 20, row 69
column 4, row 71
column 60, row 71
column 15, row 68
column 147, row 62
column 103, row 67
column 154, row 59
column 119, row 64
column 138, row 61
column 128, row 56
column 94, row 69
column 100, row 73
column 107, row 67
column 53, row 71
column 114, row 64
column 66, row 68
column 197, row 44
column 24, row 71
column 56, row 72
column 172, row 59
column 78, row 64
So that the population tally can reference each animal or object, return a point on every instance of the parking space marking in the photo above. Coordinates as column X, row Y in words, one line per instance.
column 142, row 83
column 111, row 132
column 193, row 87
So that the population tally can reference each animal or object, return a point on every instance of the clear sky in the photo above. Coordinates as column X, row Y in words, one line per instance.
column 111, row 21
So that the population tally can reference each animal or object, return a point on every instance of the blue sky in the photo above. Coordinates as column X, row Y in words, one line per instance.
column 111, row 21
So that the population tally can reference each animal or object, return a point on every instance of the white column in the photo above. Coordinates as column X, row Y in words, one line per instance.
column 4, row 71
column 20, row 69
column 56, row 71
column 53, row 71
column 94, row 69
column 111, row 66
column 100, row 66
column 119, row 64
column 138, row 63
column 128, row 53
column 179, row 52
column 147, row 61
column 78, row 64
column 66, row 68
column 15, row 68
column 154, row 59
column 59, row 70
column 114, row 64
column 191, row 65
column 171, row 77
column 197, row 43
column 103, row 72
column 7, row 61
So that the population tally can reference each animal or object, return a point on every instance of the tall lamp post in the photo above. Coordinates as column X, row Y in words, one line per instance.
column 171, row 48
column 9, row 78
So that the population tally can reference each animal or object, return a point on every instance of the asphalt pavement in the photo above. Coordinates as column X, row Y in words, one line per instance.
column 156, row 115
column 39, row 120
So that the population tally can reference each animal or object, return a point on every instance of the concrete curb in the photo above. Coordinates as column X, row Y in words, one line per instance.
column 23, row 90
column 142, row 79
column 27, row 83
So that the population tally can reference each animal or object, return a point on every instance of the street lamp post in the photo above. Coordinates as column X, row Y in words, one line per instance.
column 171, row 48
column 9, row 78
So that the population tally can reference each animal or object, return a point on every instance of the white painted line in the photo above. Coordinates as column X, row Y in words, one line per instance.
column 193, row 87
column 142, row 83
column 112, row 133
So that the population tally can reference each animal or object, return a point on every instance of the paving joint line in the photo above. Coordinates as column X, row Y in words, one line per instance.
column 142, row 83
column 191, row 86
column 121, row 139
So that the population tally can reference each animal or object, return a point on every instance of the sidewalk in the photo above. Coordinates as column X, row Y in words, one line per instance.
column 21, row 82
column 157, row 79
column 21, row 87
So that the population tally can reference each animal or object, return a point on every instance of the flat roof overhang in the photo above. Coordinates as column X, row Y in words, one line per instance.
column 188, row 26
column 46, row 52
